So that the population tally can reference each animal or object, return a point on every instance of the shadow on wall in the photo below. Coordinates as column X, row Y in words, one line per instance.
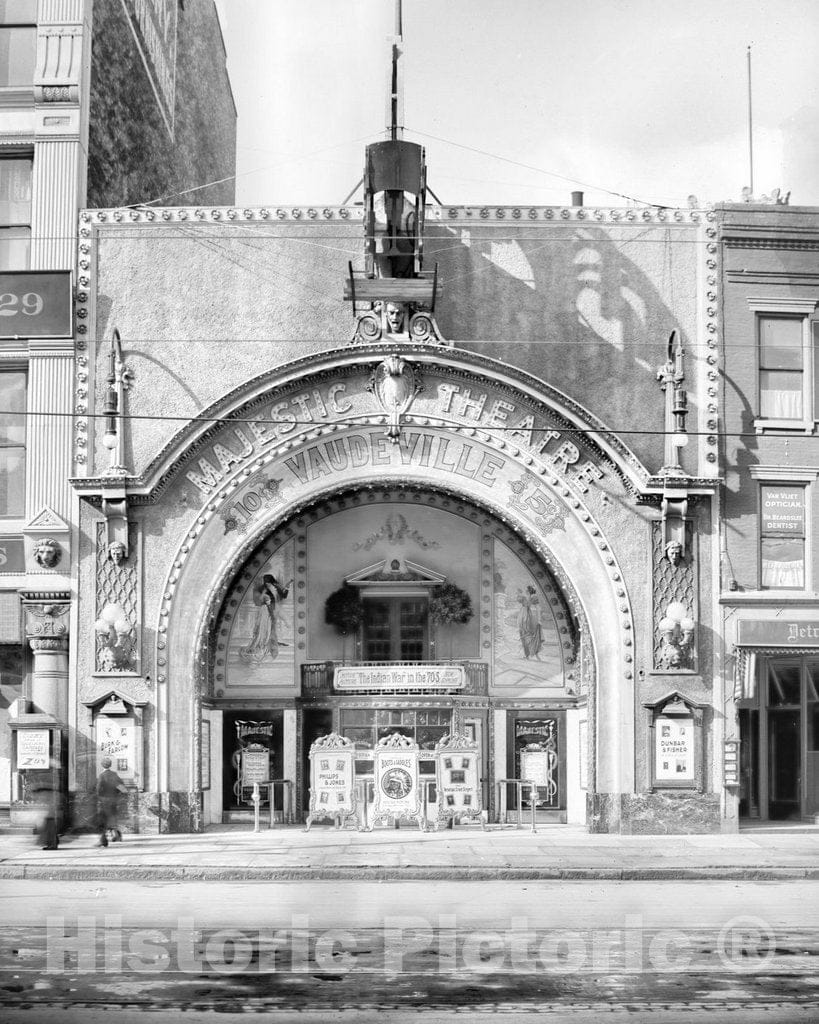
column 581, row 313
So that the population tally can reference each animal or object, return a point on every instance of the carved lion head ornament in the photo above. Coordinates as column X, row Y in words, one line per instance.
column 47, row 553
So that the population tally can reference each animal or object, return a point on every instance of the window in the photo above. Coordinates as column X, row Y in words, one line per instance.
column 395, row 628
column 787, row 342
column 782, row 536
column 18, row 49
column 18, row 42
column 15, row 212
column 781, row 368
column 366, row 726
column 12, row 442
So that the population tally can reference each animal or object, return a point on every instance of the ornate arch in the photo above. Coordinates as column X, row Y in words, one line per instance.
column 537, row 499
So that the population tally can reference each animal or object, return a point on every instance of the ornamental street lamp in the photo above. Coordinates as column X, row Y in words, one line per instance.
column 677, row 629
column 113, row 630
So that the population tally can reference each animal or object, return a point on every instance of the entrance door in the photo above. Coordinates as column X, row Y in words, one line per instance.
column 542, row 734
column 782, row 742
column 811, row 730
column 784, row 762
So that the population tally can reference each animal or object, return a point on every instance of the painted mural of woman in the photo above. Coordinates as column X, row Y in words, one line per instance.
column 264, row 639
column 531, row 634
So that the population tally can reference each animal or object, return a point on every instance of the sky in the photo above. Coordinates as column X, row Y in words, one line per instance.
column 524, row 101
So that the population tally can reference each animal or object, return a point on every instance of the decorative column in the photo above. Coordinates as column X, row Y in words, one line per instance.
column 47, row 633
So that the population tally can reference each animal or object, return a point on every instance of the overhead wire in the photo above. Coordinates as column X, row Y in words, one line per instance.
column 539, row 170
column 242, row 174
column 376, row 420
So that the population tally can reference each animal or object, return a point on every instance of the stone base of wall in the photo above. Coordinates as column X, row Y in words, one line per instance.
column 653, row 813
column 142, row 813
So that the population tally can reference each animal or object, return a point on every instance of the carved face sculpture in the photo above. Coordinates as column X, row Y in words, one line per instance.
column 47, row 553
column 395, row 318
column 673, row 552
column 116, row 552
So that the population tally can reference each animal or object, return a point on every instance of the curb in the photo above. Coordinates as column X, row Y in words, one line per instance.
column 364, row 873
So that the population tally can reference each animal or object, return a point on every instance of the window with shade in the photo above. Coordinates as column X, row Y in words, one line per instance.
column 12, row 443
column 18, row 45
column 781, row 368
column 15, row 212
column 782, row 536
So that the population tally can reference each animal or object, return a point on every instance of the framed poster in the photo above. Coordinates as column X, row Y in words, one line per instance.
column 255, row 764
column 33, row 749
column 674, row 749
column 332, row 779
column 116, row 738
column 538, row 764
column 675, row 742
column 583, row 751
column 397, row 789
column 204, row 756
column 458, row 779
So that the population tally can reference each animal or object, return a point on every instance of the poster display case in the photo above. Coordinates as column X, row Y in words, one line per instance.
column 332, row 780
column 396, row 781
column 674, row 725
column 458, row 779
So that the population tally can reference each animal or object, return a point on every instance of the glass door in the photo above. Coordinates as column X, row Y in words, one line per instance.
column 784, row 739
column 812, row 739
column 788, row 748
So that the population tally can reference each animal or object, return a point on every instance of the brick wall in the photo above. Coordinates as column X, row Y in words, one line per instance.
column 132, row 156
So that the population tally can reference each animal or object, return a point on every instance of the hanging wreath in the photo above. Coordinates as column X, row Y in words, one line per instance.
column 450, row 605
column 344, row 609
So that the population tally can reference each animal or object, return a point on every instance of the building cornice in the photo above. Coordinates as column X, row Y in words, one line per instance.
column 473, row 214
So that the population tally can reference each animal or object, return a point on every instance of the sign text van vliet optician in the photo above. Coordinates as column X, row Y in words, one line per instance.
column 35, row 304
column 778, row 633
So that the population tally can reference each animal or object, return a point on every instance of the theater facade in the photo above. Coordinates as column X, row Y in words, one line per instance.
column 306, row 513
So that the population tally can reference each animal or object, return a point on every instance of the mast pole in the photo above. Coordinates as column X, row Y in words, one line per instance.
column 750, row 127
column 396, row 98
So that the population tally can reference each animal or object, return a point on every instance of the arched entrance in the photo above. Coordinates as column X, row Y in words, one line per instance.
column 311, row 445
column 510, row 675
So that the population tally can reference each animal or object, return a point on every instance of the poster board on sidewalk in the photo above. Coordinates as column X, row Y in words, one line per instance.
column 396, row 778
column 458, row 779
column 332, row 780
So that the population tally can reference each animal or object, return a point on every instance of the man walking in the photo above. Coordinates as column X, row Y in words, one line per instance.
column 109, row 787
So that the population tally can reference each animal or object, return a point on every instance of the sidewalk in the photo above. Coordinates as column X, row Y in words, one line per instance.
column 288, row 853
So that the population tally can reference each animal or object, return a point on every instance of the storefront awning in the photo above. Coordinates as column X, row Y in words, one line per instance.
column 745, row 666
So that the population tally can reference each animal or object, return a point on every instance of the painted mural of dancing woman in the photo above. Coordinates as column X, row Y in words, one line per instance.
column 264, row 640
column 531, row 635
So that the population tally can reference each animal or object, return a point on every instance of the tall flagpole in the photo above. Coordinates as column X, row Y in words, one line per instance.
column 750, row 127
column 396, row 99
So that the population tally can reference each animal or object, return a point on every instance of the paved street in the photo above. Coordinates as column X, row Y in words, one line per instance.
column 665, row 950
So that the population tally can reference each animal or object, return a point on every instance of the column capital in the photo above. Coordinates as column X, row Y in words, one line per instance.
column 46, row 620
column 48, row 644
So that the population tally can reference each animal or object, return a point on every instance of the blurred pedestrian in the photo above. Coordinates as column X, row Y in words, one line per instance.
column 46, row 830
column 109, row 787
